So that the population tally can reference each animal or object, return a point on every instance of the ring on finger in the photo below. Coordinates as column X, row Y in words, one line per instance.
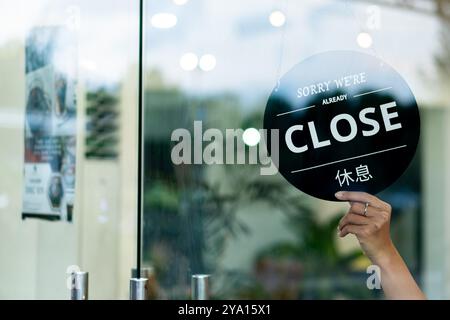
column 366, row 206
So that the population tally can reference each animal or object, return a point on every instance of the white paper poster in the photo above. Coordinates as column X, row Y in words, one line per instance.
column 50, row 124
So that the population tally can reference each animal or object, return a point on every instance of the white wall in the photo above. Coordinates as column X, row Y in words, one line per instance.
column 18, row 247
column 436, row 213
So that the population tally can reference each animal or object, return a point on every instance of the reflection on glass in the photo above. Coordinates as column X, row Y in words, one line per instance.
column 256, row 235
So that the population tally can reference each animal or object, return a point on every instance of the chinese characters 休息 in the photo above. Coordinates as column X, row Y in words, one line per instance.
column 345, row 177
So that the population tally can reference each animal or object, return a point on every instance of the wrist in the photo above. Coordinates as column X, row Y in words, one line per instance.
column 383, row 258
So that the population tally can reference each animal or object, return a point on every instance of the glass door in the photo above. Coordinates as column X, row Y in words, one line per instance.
column 213, row 203
column 68, row 146
column 209, row 209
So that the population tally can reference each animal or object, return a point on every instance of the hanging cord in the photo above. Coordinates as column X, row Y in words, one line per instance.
column 360, row 26
column 282, row 43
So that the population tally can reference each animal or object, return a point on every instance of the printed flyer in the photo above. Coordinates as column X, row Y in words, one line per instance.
column 50, row 124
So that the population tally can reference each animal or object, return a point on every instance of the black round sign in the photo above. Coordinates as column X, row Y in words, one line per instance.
column 346, row 121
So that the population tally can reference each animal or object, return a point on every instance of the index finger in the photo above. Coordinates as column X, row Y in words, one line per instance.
column 362, row 197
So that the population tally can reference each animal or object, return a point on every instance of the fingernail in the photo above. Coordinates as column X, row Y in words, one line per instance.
column 339, row 233
column 339, row 194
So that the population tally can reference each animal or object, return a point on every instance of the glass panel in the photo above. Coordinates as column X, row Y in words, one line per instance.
column 36, row 255
column 216, row 62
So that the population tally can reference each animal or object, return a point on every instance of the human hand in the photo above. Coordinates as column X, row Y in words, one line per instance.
column 370, row 224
